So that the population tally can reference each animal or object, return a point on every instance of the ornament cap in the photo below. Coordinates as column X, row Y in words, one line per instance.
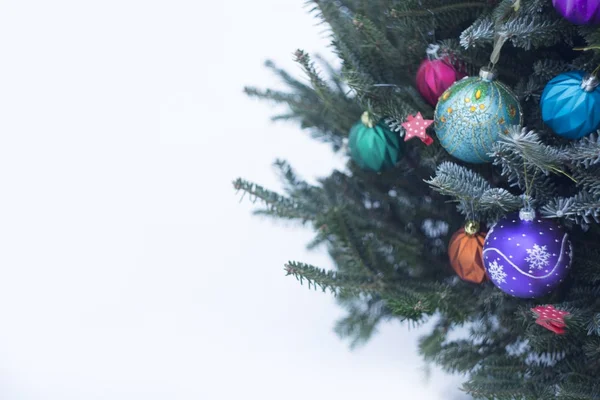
column 432, row 51
column 487, row 74
column 471, row 227
column 367, row 120
column 527, row 214
column 589, row 83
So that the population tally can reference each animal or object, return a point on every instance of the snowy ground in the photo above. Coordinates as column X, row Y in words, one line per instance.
column 129, row 268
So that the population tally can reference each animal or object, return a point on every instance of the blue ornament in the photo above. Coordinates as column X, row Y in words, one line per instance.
column 571, row 104
column 472, row 115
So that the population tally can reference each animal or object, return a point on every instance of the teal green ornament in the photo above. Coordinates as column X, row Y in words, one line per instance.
column 372, row 146
column 474, row 113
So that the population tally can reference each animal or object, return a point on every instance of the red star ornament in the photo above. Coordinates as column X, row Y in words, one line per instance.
column 415, row 126
column 551, row 318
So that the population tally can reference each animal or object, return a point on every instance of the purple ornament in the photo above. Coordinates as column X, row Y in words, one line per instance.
column 579, row 12
column 525, row 256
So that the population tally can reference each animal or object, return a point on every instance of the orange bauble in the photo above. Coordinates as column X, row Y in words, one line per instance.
column 466, row 253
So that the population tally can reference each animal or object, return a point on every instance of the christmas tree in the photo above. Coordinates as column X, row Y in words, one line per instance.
column 472, row 190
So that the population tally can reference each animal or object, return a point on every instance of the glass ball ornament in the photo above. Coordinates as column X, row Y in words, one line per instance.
column 526, row 256
column 374, row 147
column 579, row 12
column 434, row 77
column 472, row 115
column 571, row 104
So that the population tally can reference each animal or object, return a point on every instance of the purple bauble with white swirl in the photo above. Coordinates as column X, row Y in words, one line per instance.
column 525, row 256
column 579, row 12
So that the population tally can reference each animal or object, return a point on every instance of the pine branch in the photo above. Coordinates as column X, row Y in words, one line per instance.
column 364, row 315
column 458, row 182
column 333, row 281
column 362, row 45
column 276, row 205
column 395, row 13
column 588, row 179
column 584, row 152
column 472, row 192
column 548, row 69
column 583, row 209
column 323, row 108
column 526, row 162
column 480, row 33
column 318, row 84
column 579, row 390
column 524, row 30
column 593, row 328
column 532, row 31
column 497, row 202
column 358, row 249
column 299, row 190
column 412, row 308
column 520, row 148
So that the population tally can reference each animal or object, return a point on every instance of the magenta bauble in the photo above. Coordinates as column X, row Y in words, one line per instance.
column 434, row 77
column 579, row 12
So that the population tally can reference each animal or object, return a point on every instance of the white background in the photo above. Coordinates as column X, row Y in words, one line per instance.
column 129, row 269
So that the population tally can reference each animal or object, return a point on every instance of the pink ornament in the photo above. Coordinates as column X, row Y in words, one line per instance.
column 415, row 126
column 551, row 318
column 434, row 77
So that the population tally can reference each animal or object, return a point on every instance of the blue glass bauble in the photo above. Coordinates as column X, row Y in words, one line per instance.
column 571, row 104
column 472, row 114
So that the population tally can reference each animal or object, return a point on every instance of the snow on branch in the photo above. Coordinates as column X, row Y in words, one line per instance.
column 583, row 209
column 525, row 160
column 475, row 197
column 584, row 152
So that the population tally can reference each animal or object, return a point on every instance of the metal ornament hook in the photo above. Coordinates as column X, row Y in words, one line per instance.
column 527, row 213
column 590, row 83
column 432, row 51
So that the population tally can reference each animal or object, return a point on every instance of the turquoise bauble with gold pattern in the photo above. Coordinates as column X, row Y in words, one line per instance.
column 474, row 113
column 373, row 146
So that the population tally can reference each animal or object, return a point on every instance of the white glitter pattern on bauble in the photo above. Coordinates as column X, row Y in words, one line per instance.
column 538, row 257
column 562, row 255
column 497, row 272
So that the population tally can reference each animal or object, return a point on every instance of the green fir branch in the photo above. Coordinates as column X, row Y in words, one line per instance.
column 524, row 30
column 396, row 13
column 533, row 31
column 526, row 162
column 479, row 34
column 588, row 179
column 474, row 195
column 521, row 148
column 363, row 316
column 583, row 209
column 334, row 281
column 276, row 205
column 584, row 152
